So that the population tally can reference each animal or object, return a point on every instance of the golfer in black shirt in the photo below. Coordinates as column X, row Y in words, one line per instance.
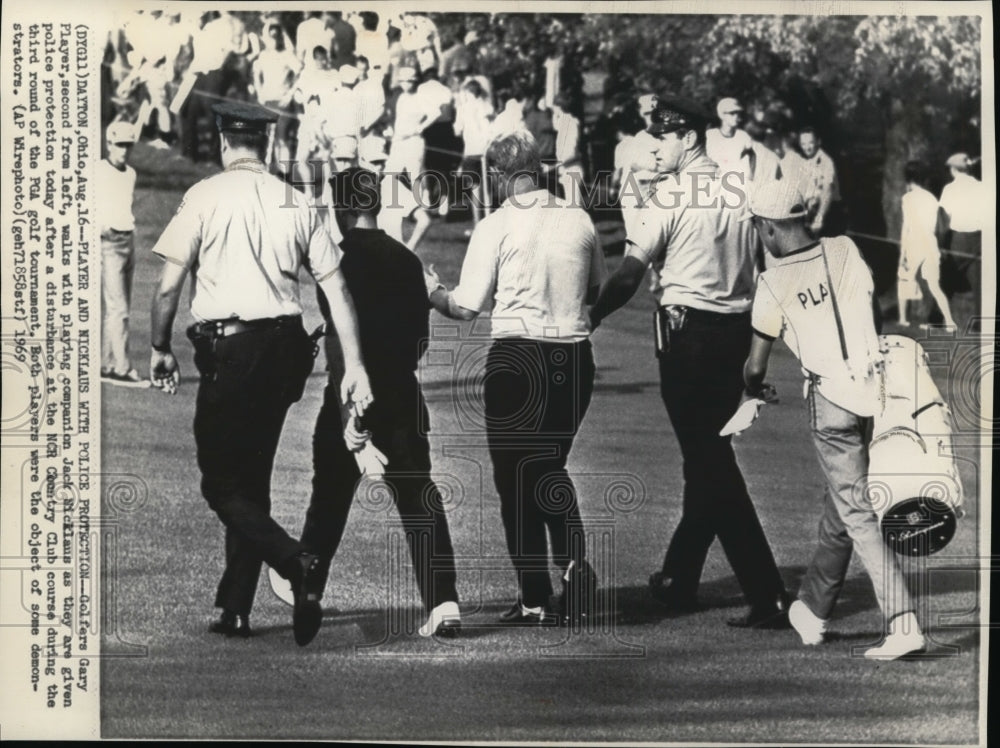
column 387, row 283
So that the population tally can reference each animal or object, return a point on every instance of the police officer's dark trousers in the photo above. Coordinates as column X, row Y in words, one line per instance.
column 536, row 394
column 248, row 382
column 701, row 382
column 394, row 419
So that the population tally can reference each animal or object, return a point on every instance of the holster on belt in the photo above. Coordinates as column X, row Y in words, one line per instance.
column 667, row 320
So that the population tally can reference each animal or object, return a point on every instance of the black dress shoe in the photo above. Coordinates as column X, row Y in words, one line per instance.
column 676, row 602
column 307, row 615
column 231, row 624
column 773, row 616
column 517, row 616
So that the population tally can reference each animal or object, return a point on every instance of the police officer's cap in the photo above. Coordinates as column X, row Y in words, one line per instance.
column 673, row 113
column 242, row 116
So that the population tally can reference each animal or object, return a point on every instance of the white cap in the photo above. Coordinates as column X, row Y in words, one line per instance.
column 121, row 132
column 372, row 149
column 959, row 161
column 728, row 106
column 647, row 103
column 776, row 199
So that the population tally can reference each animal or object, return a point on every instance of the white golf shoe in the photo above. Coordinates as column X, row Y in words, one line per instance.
column 444, row 620
column 904, row 638
column 807, row 624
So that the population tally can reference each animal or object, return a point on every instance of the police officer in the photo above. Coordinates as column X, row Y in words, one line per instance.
column 691, row 224
column 244, row 235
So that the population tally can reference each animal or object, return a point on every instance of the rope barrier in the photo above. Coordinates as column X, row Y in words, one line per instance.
column 887, row 240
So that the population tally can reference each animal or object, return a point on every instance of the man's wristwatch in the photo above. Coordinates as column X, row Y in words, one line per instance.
column 163, row 348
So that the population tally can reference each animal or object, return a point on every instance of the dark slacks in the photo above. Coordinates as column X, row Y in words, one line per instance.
column 536, row 394
column 248, row 382
column 701, row 383
column 394, row 420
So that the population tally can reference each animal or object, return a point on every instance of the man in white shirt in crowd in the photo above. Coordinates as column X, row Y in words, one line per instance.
column 963, row 205
column 822, row 191
column 398, row 202
column 117, row 184
column 314, row 31
column 442, row 154
column 918, row 247
column 371, row 96
column 342, row 106
column 274, row 73
column 373, row 45
column 728, row 145
column 406, row 154
column 315, row 84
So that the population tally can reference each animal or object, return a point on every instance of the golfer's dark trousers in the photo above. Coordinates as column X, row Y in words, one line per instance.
column 701, row 382
column 395, row 419
column 536, row 394
column 248, row 381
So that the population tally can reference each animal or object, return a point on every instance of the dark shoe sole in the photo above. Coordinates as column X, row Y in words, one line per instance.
column 448, row 629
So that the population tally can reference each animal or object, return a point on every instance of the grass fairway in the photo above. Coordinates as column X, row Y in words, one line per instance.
column 633, row 676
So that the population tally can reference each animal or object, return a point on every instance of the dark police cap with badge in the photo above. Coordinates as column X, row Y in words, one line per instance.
column 242, row 116
column 674, row 113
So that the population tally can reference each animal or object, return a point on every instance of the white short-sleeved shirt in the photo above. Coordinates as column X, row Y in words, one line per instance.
column 820, row 175
column 341, row 113
column 964, row 200
column 533, row 262
column 410, row 111
column 117, row 189
column 728, row 152
column 244, row 234
column 691, row 222
column 794, row 302
column 917, row 241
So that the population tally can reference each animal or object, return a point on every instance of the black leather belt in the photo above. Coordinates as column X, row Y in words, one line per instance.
column 678, row 311
column 223, row 328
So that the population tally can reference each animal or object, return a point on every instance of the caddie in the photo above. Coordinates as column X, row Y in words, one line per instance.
column 818, row 299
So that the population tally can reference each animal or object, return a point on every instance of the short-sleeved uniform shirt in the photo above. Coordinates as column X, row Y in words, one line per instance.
column 691, row 223
column 794, row 302
column 533, row 261
column 244, row 234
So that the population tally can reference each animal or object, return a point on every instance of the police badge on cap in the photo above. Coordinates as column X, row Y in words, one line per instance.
column 673, row 113
column 242, row 116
